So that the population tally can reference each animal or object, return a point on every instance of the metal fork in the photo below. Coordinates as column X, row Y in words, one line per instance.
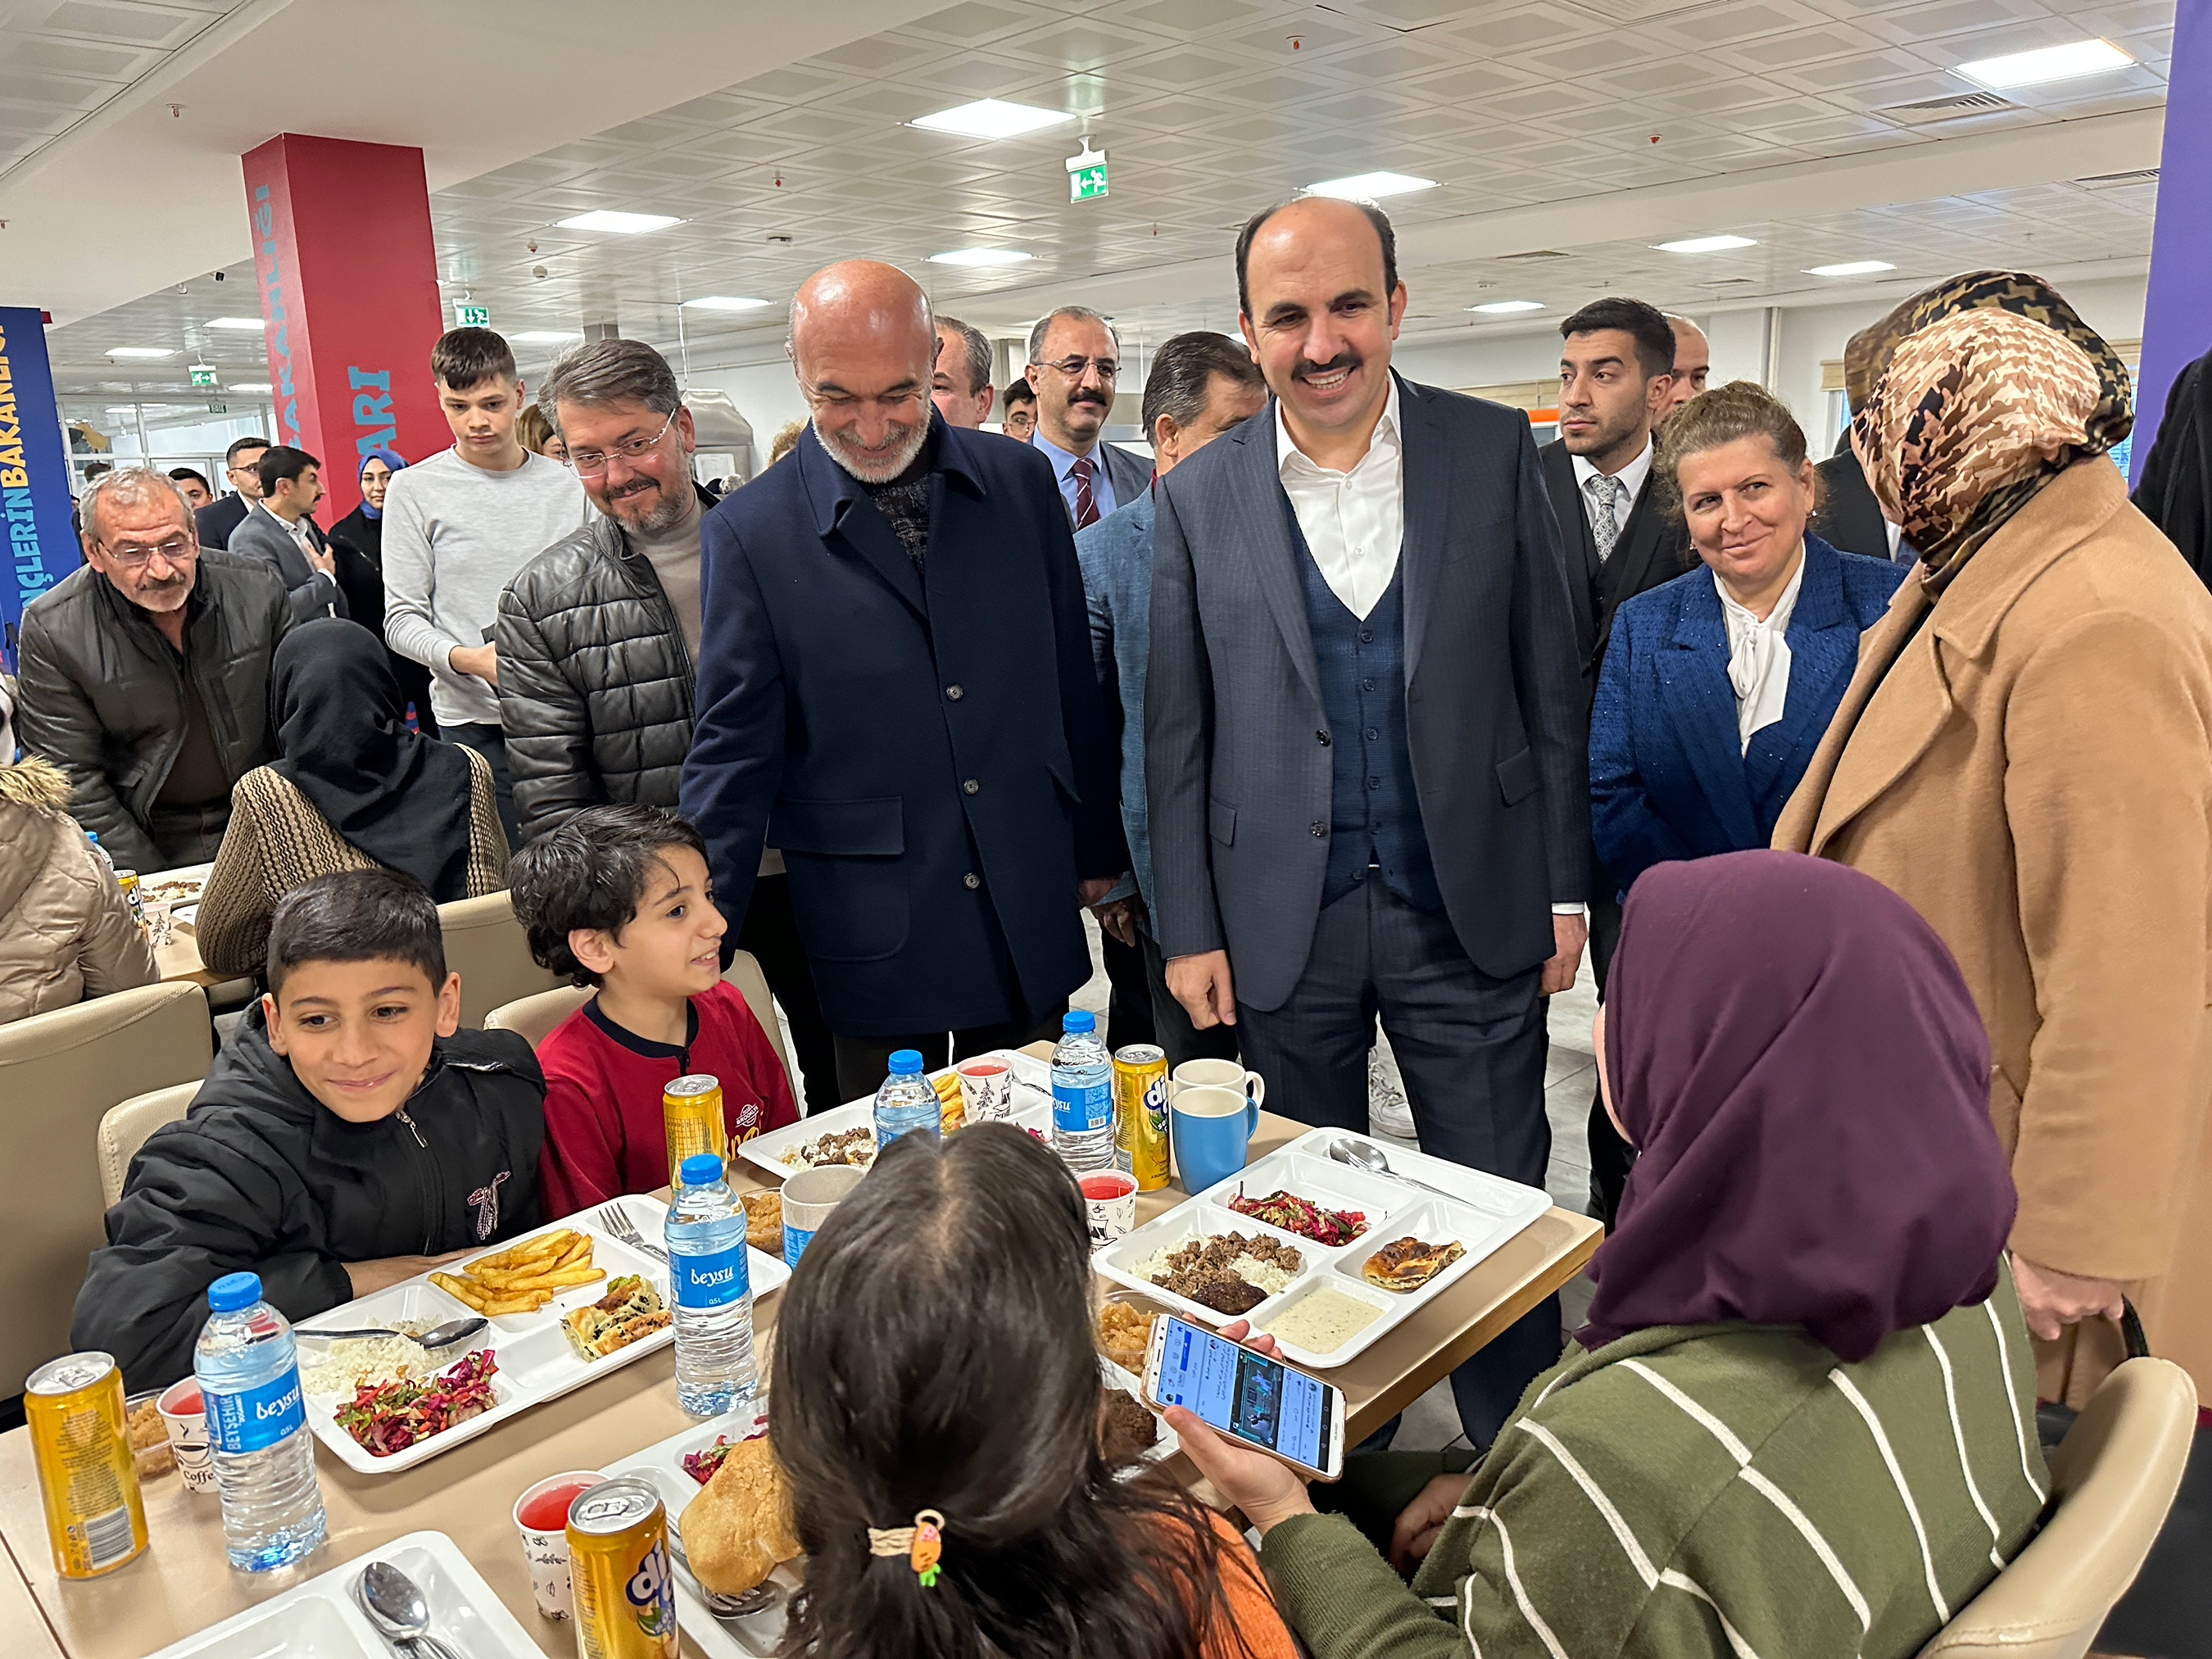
column 617, row 1221
column 759, row 1599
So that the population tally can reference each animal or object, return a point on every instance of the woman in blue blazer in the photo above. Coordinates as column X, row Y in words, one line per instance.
column 1717, row 685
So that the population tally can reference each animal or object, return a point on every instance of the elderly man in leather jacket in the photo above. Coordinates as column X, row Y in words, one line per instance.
column 145, row 675
column 598, row 637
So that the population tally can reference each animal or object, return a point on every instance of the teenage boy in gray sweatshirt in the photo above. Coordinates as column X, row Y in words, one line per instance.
column 456, row 529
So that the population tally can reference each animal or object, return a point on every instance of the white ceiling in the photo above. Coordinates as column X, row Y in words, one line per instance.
column 1774, row 118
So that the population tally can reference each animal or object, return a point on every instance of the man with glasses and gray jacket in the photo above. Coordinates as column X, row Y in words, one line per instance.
column 598, row 634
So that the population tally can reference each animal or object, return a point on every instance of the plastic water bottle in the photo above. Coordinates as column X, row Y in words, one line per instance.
column 248, row 1370
column 906, row 1103
column 1082, row 1096
column 711, row 1289
column 100, row 853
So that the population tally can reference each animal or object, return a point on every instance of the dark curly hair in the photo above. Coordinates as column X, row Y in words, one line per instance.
column 590, row 872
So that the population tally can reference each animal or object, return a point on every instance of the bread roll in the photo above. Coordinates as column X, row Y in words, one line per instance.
column 739, row 1526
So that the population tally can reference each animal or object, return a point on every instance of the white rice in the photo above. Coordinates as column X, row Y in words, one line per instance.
column 1261, row 1275
column 339, row 1367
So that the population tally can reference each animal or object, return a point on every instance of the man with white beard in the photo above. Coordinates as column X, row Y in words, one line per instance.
column 896, row 666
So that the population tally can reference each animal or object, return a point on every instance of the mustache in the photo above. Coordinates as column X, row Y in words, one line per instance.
column 1345, row 360
column 1099, row 398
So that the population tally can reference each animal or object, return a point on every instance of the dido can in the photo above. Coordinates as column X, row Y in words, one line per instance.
column 691, row 1112
column 618, row 1572
column 128, row 881
column 95, row 1519
column 1140, row 1113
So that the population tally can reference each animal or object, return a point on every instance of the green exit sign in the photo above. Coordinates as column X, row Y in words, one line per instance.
column 1086, row 175
column 472, row 316
column 203, row 374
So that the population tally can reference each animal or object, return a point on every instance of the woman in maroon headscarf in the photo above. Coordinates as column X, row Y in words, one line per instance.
column 1800, row 1419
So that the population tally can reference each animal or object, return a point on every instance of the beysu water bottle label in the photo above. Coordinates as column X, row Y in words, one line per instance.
column 1081, row 1107
column 257, row 1417
column 710, row 1281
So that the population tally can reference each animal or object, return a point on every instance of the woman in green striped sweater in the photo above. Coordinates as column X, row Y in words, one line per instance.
column 1800, row 1422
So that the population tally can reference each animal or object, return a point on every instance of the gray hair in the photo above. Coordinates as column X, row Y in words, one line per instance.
column 129, row 484
column 1183, row 369
column 974, row 348
column 1081, row 313
column 611, row 372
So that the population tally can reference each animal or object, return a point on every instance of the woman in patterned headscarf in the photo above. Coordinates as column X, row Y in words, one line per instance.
column 2025, row 754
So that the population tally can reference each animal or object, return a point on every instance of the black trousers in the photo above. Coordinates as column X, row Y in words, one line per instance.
column 187, row 835
column 863, row 1062
column 1129, row 1010
column 488, row 740
column 1171, row 1026
column 1610, row 1156
column 771, row 933
column 1471, row 1050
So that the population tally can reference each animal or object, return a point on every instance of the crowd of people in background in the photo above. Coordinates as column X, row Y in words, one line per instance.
column 1351, row 706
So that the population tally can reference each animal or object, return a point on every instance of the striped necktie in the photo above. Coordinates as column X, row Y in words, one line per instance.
column 1605, row 511
column 1086, row 508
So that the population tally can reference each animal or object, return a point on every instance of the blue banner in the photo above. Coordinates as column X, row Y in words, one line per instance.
column 34, row 480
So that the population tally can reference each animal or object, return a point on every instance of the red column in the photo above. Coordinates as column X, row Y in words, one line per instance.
column 348, row 280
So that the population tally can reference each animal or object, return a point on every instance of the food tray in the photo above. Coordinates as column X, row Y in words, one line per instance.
column 773, row 1152
column 180, row 888
column 320, row 1618
column 1484, row 1212
column 755, row 1635
column 535, row 1363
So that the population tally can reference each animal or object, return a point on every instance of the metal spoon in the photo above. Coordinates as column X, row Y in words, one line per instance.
column 438, row 1336
column 759, row 1599
column 1373, row 1159
column 395, row 1604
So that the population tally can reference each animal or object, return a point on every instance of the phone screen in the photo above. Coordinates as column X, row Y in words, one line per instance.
column 1246, row 1393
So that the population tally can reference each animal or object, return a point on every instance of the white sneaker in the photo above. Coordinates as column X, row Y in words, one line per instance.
column 1387, row 1113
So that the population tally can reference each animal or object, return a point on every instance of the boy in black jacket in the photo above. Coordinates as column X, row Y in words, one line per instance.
column 348, row 1136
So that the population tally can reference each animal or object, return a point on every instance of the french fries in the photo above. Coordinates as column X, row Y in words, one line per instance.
column 525, row 1276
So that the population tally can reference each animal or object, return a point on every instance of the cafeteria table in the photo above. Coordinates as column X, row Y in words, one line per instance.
column 181, row 1584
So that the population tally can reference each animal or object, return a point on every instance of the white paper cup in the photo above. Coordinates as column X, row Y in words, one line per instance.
column 188, row 1434
column 1110, row 1197
column 986, row 1088
column 1218, row 1074
column 809, row 1195
column 548, row 1551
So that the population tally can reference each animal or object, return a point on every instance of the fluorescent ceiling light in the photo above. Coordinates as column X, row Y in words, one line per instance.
column 628, row 224
column 1501, row 307
column 979, row 256
column 991, row 118
column 725, row 302
column 253, row 323
column 1705, row 244
column 122, row 408
column 261, row 387
column 140, row 351
column 544, row 336
column 1370, row 186
column 2028, row 69
column 1850, row 268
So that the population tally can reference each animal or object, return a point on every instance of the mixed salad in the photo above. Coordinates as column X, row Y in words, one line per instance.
column 1301, row 1216
column 390, row 1417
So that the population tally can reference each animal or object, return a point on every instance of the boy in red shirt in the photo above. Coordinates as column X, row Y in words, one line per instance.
column 618, row 897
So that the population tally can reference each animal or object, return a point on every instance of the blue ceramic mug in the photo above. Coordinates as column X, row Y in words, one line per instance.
column 1210, row 1129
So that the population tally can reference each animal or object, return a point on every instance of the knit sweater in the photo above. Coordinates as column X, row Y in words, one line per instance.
column 276, row 840
column 1726, row 1490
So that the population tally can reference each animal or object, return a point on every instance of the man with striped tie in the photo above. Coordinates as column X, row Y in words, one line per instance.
column 1074, row 358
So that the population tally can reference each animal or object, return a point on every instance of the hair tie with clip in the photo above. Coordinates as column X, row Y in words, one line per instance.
column 920, row 1543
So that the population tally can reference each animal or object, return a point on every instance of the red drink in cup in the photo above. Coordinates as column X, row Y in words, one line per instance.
column 547, row 1508
column 1110, row 1197
column 541, row 1516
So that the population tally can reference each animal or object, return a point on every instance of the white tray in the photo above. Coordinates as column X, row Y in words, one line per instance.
column 1483, row 1214
column 775, row 1150
column 757, row 1635
column 319, row 1620
column 535, row 1363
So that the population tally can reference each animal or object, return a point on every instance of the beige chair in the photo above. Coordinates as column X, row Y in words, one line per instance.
column 2113, row 1477
column 59, row 1074
column 487, row 947
column 125, row 1129
column 536, row 1017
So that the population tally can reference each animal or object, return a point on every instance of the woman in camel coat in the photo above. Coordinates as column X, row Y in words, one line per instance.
column 2024, row 753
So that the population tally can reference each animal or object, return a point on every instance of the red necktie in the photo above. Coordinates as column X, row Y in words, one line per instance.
column 1086, row 509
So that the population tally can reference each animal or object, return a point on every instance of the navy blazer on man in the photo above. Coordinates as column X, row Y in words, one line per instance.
column 1238, row 764
column 214, row 522
column 1669, row 776
column 929, row 745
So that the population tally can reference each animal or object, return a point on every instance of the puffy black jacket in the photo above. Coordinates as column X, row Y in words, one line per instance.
column 594, row 682
column 261, row 1178
column 102, row 694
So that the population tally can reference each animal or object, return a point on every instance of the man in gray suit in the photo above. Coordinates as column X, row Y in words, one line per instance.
column 280, row 531
column 1366, row 732
column 1074, row 357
